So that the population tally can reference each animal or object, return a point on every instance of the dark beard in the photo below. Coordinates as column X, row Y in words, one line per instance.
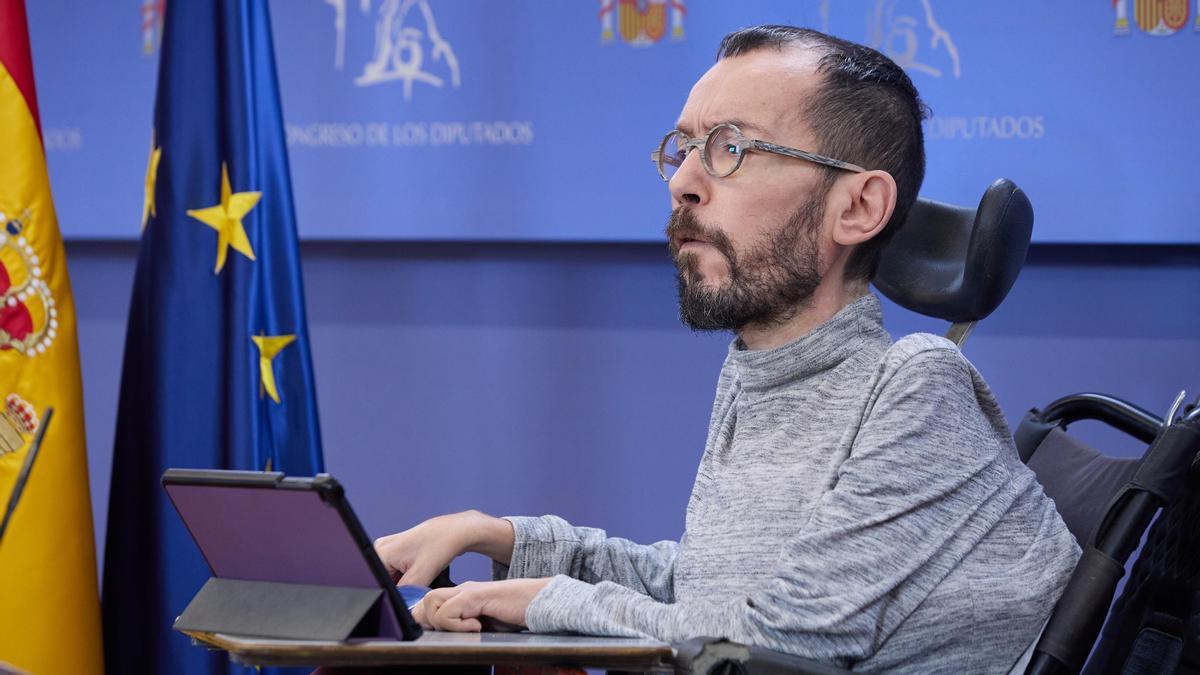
column 767, row 283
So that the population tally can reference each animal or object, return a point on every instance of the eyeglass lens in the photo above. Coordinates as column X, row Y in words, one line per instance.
column 671, row 155
column 722, row 152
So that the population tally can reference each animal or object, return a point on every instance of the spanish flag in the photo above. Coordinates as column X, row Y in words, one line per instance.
column 48, row 597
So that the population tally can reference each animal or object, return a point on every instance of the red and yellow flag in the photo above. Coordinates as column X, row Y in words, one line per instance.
column 49, row 599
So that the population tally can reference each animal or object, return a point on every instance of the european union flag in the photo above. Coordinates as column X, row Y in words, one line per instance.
column 217, row 372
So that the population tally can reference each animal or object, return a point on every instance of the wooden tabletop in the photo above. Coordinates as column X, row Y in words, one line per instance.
column 436, row 647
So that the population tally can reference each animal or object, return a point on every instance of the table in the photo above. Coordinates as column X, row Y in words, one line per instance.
column 443, row 648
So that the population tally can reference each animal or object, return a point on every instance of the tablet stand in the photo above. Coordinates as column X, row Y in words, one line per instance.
column 288, row 611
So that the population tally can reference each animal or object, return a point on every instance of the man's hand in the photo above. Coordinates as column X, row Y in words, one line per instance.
column 416, row 555
column 466, row 608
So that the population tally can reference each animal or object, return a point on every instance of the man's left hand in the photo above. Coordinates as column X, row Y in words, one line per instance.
column 467, row 607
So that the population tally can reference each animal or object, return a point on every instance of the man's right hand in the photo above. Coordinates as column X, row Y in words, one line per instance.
column 417, row 555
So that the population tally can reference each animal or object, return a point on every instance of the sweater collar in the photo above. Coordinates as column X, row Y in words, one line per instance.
column 820, row 349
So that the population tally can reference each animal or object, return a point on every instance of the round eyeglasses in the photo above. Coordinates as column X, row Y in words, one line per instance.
column 722, row 150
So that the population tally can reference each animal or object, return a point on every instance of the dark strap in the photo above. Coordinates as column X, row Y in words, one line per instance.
column 1165, row 467
column 1080, row 613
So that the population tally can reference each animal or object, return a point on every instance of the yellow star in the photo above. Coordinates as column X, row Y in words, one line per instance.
column 151, row 176
column 226, row 219
column 268, row 347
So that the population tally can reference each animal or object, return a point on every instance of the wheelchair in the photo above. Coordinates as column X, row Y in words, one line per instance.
column 958, row 264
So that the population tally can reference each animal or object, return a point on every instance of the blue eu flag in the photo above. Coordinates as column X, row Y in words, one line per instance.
column 217, row 372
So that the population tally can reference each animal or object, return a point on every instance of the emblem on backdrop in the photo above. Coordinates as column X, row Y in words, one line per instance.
column 908, row 33
column 1159, row 18
column 28, row 318
column 152, row 12
column 641, row 23
column 408, row 46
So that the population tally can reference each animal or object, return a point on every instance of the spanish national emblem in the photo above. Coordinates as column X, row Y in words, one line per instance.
column 28, row 318
column 18, row 420
column 1159, row 18
column 641, row 23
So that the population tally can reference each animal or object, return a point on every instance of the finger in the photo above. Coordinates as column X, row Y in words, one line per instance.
column 433, row 601
column 392, row 563
column 382, row 544
column 458, row 624
column 454, row 615
column 418, row 614
column 393, row 573
column 417, row 575
column 461, row 612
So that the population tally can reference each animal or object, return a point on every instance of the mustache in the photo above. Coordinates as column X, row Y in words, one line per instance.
column 683, row 225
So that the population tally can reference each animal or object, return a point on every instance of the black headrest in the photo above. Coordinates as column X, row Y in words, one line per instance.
column 958, row 263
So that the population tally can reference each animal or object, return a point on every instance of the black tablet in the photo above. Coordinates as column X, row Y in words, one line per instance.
column 288, row 556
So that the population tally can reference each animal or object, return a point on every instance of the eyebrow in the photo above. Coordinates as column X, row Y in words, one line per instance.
column 683, row 128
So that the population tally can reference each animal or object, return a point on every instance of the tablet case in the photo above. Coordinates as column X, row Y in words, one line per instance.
column 288, row 557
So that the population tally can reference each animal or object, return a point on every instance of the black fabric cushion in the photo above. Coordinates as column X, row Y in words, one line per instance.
column 1080, row 480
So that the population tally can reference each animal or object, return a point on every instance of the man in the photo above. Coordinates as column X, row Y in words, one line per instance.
column 858, row 502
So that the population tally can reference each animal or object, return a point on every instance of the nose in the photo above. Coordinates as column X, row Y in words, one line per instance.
column 690, row 184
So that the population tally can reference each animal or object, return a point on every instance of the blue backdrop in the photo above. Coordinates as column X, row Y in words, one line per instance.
column 527, row 120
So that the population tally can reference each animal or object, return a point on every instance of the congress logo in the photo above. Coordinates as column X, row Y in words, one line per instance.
column 408, row 46
column 641, row 23
column 28, row 318
column 1159, row 18
column 899, row 30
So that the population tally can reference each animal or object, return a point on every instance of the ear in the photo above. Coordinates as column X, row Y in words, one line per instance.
column 872, row 198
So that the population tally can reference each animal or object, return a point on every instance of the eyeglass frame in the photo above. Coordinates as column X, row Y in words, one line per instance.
column 744, row 144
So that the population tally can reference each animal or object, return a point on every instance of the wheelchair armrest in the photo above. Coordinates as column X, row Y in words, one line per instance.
column 712, row 656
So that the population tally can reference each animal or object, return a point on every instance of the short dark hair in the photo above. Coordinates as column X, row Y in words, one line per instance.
column 866, row 111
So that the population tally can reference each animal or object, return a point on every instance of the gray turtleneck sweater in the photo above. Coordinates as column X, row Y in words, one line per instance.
column 858, row 502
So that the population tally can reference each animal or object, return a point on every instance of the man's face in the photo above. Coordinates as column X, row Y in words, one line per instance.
column 748, row 247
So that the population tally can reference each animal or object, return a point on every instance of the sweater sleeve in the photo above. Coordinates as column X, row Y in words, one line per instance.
column 549, row 546
column 922, row 484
